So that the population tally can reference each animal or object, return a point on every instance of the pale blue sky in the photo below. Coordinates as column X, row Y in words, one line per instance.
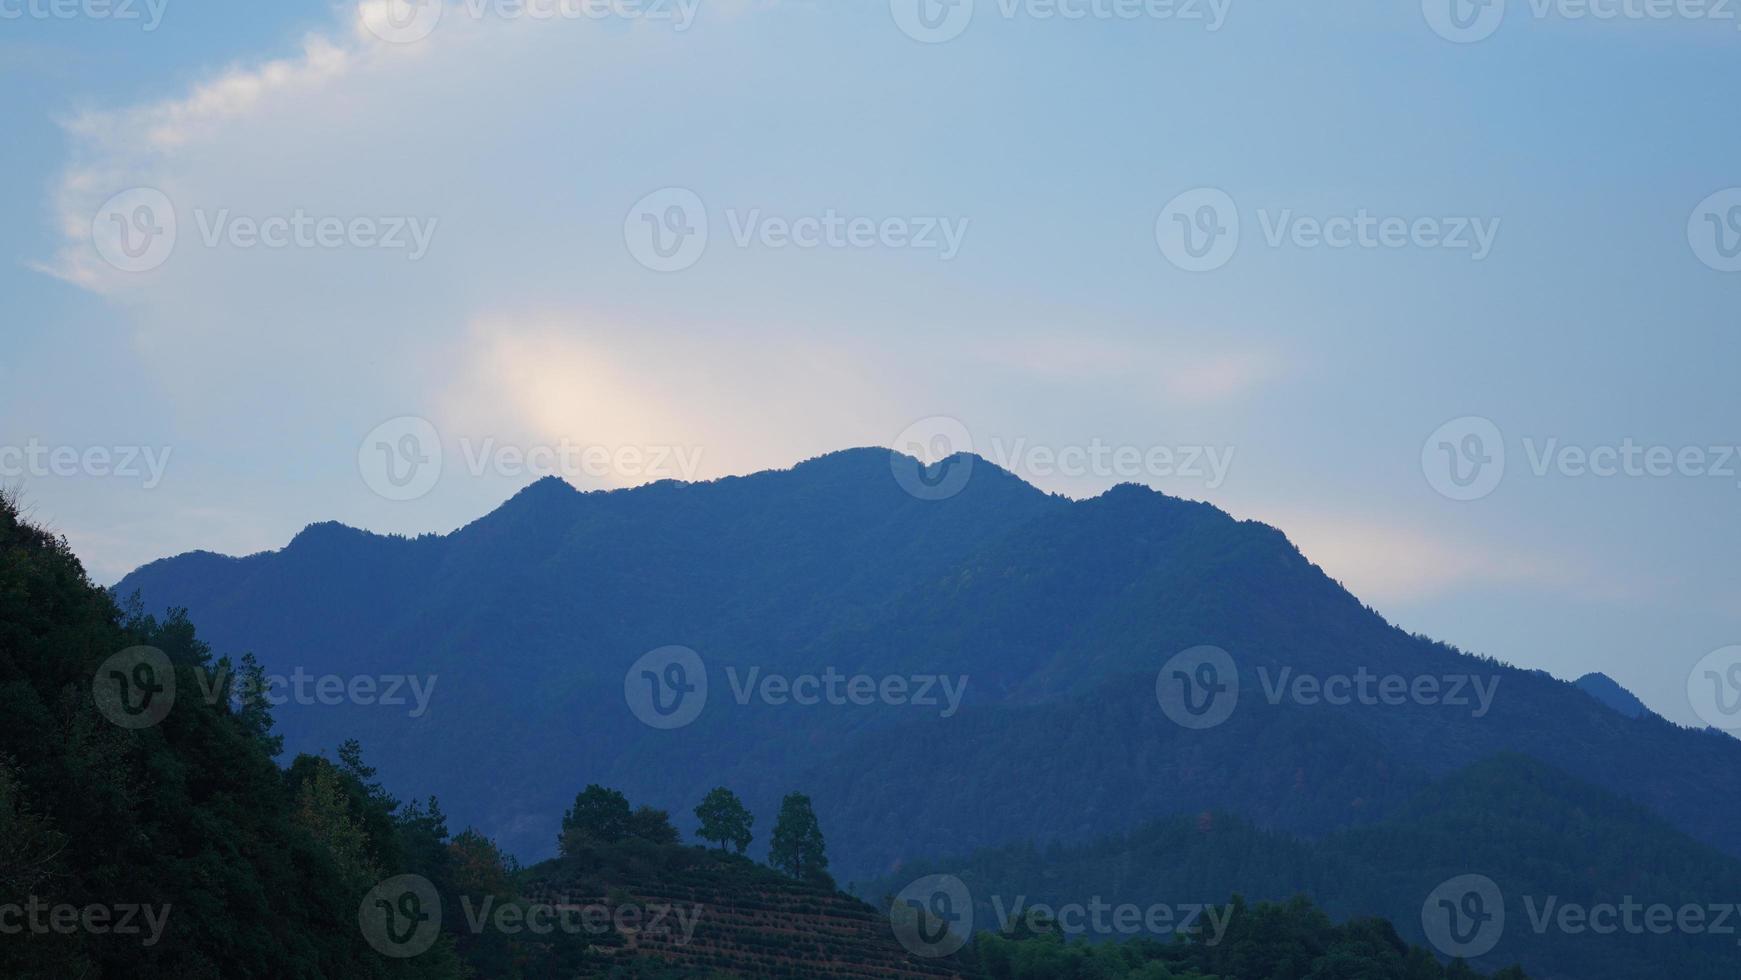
column 1053, row 145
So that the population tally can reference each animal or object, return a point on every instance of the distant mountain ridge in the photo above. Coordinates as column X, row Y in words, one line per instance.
column 1059, row 612
column 1538, row 833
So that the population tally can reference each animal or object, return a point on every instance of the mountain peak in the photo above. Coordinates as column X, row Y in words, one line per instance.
column 1608, row 691
column 324, row 534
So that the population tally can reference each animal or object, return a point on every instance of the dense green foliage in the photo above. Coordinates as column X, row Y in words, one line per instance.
column 1290, row 940
column 242, row 868
column 1537, row 832
column 798, row 847
column 724, row 819
column 254, row 870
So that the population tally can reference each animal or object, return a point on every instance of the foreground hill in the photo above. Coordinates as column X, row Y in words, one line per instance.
column 1058, row 614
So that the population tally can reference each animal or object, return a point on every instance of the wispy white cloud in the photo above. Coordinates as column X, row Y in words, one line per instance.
column 1189, row 369
column 1385, row 560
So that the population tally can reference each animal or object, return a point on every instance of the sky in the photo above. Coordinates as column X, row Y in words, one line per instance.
column 1446, row 291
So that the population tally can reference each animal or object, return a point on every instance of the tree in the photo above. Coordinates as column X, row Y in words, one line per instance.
column 653, row 825
column 324, row 808
column 797, row 847
column 599, row 815
column 724, row 820
column 29, row 843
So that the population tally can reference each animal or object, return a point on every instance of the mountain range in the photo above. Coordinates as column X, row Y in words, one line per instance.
column 1055, row 621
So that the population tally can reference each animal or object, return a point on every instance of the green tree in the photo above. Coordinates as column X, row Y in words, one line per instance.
column 324, row 808
column 653, row 825
column 599, row 815
column 724, row 819
column 797, row 847
column 29, row 843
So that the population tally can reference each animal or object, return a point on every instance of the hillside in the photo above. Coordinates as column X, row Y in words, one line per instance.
column 171, row 828
column 1057, row 613
column 1545, row 839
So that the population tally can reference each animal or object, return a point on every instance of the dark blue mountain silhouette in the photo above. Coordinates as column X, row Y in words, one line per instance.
column 1059, row 612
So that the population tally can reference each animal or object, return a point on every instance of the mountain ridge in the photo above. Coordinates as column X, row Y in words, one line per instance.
column 1059, row 611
